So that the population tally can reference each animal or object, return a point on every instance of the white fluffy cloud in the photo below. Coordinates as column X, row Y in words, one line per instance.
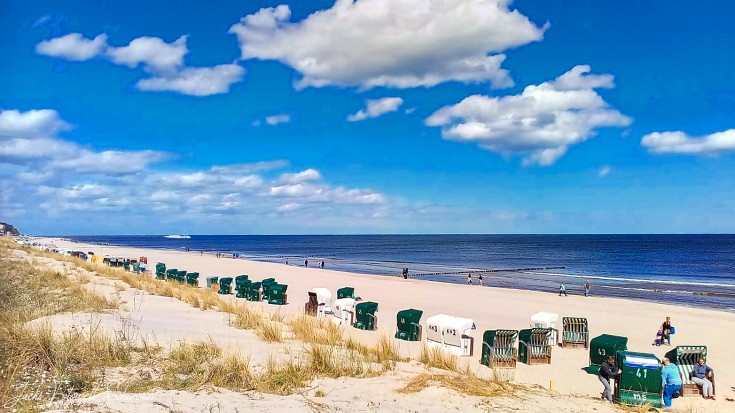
column 196, row 81
column 163, row 61
column 303, row 176
column 681, row 143
column 156, row 55
column 393, row 43
column 30, row 139
column 541, row 123
column 376, row 108
column 276, row 119
column 73, row 47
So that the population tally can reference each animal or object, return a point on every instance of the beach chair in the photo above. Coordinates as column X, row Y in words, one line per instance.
column 253, row 292
column 212, row 281
column 160, row 271
column 192, row 279
column 499, row 348
column 365, row 316
column 346, row 292
column 171, row 274
column 685, row 357
column 241, row 289
column 241, row 279
column 344, row 311
column 456, row 335
column 602, row 346
column 324, row 301
column 181, row 276
column 277, row 294
column 435, row 330
column 575, row 332
column 544, row 319
column 311, row 306
column 534, row 346
column 639, row 382
column 225, row 285
column 408, row 327
column 266, row 287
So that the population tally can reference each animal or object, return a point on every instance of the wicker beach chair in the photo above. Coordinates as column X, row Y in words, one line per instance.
column 253, row 292
column 311, row 306
column 192, row 279
column 685, row 357
column 365, row 317
column 277, row 294
column 181, row 276
column 575, row 332
column 171, row 274
column 160, row 271
column 265, row 286
column 534, row 345
column 499, row 348
column 225, row 286
column 241, row 289
column 408, row 326
column 241, row 279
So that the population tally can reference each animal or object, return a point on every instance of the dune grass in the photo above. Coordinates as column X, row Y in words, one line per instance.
column 464, row 382
column 438, row 358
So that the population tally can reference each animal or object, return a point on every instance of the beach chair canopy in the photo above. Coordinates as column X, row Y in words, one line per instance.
column 499, row 348
column 346, row 292
column 544, row 320
column 408, row 324
column 685, row 357
column 435, row 327
column 640, row 380
column 455, row 328
column 602, row 346
column 268, row 281
column 365, row 315
column 323, row 296
column 225, row 281
column 240, row 279
column 575, row 332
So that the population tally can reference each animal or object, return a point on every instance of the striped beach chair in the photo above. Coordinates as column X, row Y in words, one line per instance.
column 499, row 348
column 685, row 357
column 534, row 345
column 575, row 332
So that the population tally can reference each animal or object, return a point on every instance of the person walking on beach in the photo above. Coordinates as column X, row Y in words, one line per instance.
column 322, row 264
column 306, row 263
column 608, row 371
column 586, row 288
column 479, row 278
column 405, row 273
column 469, row 279
column 562, row 290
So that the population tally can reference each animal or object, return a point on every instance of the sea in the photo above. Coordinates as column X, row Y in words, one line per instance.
column 687, row 270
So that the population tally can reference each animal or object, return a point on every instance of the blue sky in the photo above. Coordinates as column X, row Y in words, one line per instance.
column 369, row 116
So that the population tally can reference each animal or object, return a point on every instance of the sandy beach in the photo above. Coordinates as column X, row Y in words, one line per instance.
column 490, row 308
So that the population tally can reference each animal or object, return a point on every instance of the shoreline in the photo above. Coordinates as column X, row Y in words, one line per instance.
column 657, row 294
column 489, row 307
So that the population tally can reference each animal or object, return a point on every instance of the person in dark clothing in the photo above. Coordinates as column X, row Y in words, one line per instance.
column 608, row 371
column 666, row 328
column 306, row 263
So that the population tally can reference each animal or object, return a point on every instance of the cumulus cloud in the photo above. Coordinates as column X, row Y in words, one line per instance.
column 303, row 176
column 680, row 143
column 376, row 108
column 540, row 123
column 30, row 139
column 199, row 81
column 73, row 46
column 276, row 119
column 402, row 44
column 164, row 62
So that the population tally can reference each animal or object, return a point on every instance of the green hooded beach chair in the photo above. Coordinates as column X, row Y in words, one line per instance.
column 225, row 286
column 241, row 288
column 160, row 271
column 171, row 274
column 639, row 382
column 241, row 279
column 277, row 294
column 499, row 348
column 346, row 292
column 602, row 346
column 192, row 279
column 365, row 317
column 253, row 292
column 534, row 345
column 408, row 326
column 575, row 332
column 265, row 287
column 181, row 276
column 685, row 358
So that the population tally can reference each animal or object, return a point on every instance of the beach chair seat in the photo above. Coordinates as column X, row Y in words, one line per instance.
column 685, row 357
column 192, row 279
column 365, row 316
column 225, row 286
column 499, row 348
column 311, row 306
column 408, row 325
column 160, row 271
column 277, row 294
column 253, row 292
column 575, row 332
column 534, row 345
column 346, row 292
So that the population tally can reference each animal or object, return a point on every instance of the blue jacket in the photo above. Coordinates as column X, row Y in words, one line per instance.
column 701, row 371
column 670, row 375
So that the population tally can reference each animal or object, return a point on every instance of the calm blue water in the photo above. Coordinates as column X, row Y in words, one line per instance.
column 692, row 270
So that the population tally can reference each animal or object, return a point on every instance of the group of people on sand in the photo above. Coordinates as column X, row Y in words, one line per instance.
column 469, row 279
column 702, row 374
column 563, row 289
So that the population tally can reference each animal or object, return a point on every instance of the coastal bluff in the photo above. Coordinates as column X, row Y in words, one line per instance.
column 7, row 229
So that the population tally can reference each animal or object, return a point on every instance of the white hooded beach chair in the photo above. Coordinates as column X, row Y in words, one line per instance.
column 324, row 301
column 344, row 311
column 544, row 319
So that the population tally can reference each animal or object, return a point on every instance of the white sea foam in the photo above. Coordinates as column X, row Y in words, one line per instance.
column 598, row 277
